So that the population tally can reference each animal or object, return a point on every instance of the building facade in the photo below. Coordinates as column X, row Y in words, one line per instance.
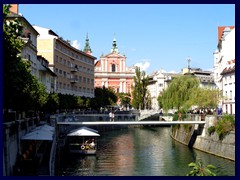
column 39, row 66
column 74, row 68
column 224, row 67
column 29, row 36
column 111, row 71
column 46, row 75
column 158, row 81
column 206, row 78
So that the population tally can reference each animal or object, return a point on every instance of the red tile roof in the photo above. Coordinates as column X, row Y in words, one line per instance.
column 228, row 70
column 221, row 29
column 98, row 63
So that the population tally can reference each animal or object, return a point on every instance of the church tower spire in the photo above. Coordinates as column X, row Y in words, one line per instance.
column 87, row 48
column 114, row 45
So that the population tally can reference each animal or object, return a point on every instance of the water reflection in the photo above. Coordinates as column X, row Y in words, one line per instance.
column 141, row 152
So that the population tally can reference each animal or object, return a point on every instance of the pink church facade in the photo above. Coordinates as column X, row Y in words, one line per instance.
column 111, row 71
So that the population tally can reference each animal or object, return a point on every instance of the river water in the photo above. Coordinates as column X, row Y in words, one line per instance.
column 148, row 151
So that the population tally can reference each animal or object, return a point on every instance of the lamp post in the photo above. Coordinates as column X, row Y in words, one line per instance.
column 189, row 60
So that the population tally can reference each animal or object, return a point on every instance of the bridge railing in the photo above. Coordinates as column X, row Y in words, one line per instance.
column 95, row 117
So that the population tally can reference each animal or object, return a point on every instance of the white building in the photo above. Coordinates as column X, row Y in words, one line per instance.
column 158, row 81
column 29, row 36
column 224, row 67
column 39, row 67
column 46, row 75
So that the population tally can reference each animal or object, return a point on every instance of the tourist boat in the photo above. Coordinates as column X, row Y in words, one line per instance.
column 83, row 141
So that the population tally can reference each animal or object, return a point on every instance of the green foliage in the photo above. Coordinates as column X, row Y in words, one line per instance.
column 104, row 97
column 52, row 103
column 22, row 91
column 67, row 101
column 204, row 97
column 184, row 92
column 188, row 127
column 178, row 93
column 80, row 102
column 198, row 169
column 211, row 130
column 175, row 117
column 140, row 98
column 225, row 125
column 125, row 98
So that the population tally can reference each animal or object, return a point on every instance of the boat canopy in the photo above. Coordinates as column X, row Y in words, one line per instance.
column 83, row 131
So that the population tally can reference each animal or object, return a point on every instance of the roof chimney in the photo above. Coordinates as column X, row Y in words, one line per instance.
column 14, row 8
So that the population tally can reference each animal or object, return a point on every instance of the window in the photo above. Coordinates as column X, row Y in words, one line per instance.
column 113, row 68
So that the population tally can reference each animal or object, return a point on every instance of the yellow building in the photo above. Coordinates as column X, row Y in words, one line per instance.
column 74, row 68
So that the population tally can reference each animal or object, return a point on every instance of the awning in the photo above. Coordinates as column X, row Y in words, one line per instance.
column 84, row 131
column 44, row 132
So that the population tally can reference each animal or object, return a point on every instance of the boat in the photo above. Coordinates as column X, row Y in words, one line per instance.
column 83, row 141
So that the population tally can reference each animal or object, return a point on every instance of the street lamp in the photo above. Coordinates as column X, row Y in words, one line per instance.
column 189, row 60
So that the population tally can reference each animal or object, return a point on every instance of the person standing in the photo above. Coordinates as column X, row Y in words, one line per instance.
column 110, row 115
column 113, row 116
column 180, row 116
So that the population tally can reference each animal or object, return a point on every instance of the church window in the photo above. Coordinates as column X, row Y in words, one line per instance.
column 113, row 68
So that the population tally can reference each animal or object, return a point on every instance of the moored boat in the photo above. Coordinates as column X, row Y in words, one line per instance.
column 83, row 141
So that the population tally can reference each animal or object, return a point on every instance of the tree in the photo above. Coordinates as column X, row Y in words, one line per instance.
column 178, row 93
column 104, row 97
column 140, row 89
column 21, row 89
column 52, row 103
column 125, row 98
column 204, row 97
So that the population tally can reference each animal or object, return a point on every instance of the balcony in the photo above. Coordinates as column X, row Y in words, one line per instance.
column 74, row 69
column 73, row 80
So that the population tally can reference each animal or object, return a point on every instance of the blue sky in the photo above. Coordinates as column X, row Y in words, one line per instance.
column 157, row 36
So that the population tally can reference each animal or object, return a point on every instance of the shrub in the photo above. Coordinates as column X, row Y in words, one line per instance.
column 225, row 125
column 188, row 127
column 198, row 169
column 211, row 130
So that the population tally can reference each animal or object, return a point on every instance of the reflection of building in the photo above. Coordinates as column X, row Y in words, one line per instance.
column 74, row 68
column 224, row 67
column 111, row 71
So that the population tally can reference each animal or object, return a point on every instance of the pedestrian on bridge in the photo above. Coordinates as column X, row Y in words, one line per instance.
column 180, row 116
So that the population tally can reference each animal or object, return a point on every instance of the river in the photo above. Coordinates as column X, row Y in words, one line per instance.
column 148, row 151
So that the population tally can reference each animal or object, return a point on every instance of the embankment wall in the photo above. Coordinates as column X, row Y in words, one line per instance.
column 204, row 141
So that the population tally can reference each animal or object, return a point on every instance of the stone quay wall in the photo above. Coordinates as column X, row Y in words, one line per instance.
column 199, row 138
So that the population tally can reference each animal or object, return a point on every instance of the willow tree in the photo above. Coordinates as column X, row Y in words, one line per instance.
column 177, row 95
column 205, row 97
column 139, row 93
